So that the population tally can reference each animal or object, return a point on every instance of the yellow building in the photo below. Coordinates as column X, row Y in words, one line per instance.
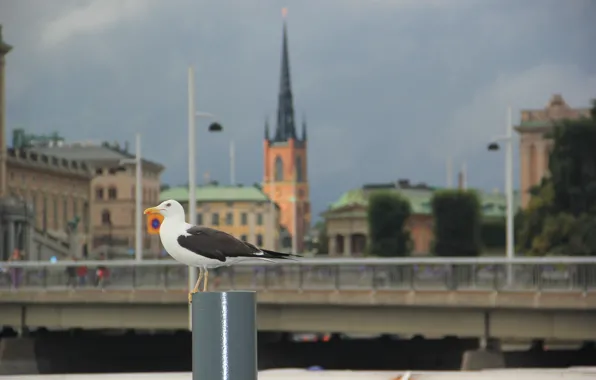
column 244, row 212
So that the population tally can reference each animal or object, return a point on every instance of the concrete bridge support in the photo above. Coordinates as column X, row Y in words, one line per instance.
column 488, row 355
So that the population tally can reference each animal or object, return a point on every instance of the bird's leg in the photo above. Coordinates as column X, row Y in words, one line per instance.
column 206, row 279
column 196, row 288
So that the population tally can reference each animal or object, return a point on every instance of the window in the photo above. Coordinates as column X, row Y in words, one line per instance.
column 243, row 237
column 86, row 215
column 106, row 218
column 244, row 219
column 229, row 218
column 112, row 193
column 259, row 219
column 99, row 193
column 199, row 218
column 259, row 240
column 279, row 169
column 215, row 219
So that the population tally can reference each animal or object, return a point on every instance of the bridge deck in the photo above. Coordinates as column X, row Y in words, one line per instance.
column 559, row 300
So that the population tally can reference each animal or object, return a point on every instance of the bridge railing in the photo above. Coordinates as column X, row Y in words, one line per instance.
column 529, row 274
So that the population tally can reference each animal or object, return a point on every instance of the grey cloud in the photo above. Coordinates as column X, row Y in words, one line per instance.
column 389, row 87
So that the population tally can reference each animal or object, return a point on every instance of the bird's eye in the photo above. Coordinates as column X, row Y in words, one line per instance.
column 168, row 204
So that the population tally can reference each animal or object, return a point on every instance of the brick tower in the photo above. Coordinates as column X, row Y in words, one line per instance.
column 285, row 160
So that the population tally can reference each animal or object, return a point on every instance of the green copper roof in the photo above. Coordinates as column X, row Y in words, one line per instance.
column 493, row 204
column 216, row 193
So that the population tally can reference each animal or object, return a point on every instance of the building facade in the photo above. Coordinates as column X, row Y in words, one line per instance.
column 112, row 193
column 244, row 212
column 285, row 173
column 39, row 193
column 534, row 148
column 346, row 220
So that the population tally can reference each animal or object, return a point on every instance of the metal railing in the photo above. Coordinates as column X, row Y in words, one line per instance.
column 447, row 274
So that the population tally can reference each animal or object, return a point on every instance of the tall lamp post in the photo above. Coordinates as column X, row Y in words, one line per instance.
column 137, row 161
column 493, row 146
column 192, row 182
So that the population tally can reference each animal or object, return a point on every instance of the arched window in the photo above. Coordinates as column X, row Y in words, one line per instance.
column 106, row 218
column 299, row 171
column 279, row 169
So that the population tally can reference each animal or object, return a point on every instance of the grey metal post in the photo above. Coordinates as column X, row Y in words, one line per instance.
column 224, row 336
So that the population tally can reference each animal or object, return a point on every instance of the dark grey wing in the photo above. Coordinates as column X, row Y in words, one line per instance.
column 215, row 244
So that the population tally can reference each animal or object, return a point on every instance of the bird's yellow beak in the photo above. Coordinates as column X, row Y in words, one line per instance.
column 152, row 210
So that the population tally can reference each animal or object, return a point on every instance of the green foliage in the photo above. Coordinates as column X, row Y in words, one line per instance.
column 457, row 220
column 322, row 246
column 561, row 216
column 388, row 213
column 493, row 233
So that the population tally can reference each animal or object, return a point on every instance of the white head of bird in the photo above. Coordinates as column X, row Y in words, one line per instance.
column 169, row 209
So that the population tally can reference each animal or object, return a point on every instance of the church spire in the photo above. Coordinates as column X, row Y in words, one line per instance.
column 267, row 128
column 303, row 127
column 285, row 126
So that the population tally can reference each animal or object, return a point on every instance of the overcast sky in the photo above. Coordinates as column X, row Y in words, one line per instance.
column 390, row 88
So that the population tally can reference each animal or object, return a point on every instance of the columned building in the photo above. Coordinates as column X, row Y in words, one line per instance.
column 534, row 148
column 285, row 161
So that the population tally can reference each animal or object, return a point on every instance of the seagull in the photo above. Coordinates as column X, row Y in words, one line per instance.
column 204, row 247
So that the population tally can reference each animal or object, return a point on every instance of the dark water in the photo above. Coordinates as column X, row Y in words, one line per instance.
column 98, row 352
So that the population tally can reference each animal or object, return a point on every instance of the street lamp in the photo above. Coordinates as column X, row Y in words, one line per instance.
column 507, row 140
column 192, row 182
column 137, row 161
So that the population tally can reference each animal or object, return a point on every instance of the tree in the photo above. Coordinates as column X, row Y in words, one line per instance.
column 322, row 245
column 561, row 215
column 457, row 221
column 492, row 233
column 388, row 213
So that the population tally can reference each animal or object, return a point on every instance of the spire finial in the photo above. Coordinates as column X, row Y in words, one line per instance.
column 303, row 126
column 284, row 13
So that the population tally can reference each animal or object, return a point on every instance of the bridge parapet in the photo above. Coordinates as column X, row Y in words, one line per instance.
column 373, row 274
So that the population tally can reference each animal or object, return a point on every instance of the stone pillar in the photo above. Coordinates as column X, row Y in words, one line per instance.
column 11, row 236
column 27, row 237
column 73, row 243
column 348, row 244
column 332, row 249
column 476, row 360
column 17, row 356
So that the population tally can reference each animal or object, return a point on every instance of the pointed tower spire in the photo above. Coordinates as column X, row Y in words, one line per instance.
column 303, row 127
column 285, row 127
column 266, row 128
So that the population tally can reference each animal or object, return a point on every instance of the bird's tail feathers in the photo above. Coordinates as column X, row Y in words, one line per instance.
column 279, row 255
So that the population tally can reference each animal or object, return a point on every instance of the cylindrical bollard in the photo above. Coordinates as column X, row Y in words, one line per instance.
column 224, row 336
